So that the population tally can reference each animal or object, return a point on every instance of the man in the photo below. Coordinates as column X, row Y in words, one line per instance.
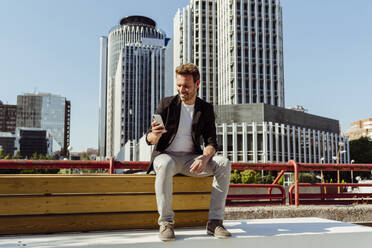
column 177, row 149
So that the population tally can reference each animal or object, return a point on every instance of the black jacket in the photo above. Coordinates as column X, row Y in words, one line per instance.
column 203, row 125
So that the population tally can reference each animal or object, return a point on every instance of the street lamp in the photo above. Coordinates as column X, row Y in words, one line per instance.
column 352, row 172
column 321, row 171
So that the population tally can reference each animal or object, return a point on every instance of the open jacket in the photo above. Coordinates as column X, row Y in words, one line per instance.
column 203, row 125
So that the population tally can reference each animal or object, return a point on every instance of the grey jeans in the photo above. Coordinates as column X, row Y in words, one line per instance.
column 167, row 165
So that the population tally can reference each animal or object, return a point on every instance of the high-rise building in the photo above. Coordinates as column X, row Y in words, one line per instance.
column 102, row 97
column 195, row 41
column 250, row 52
column 48, row 112
column 8, row 117
column 135, row 82
column 361, row 128
column 238, row 47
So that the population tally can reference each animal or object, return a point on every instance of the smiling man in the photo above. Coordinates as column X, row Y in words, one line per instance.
column 187, row 119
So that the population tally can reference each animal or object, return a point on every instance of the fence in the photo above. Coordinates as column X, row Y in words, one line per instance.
column 269, row 198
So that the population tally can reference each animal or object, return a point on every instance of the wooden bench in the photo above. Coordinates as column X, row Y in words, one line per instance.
column 31, row 204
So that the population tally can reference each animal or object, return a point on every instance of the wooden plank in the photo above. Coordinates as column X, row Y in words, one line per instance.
column 95, row 184
column 31, row 205
column 94, row 222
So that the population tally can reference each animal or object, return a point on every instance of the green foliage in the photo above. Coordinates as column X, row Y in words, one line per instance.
column 307, row 178
column 235, row 177
column 34, row 156
column 250, row 176
column 1, row 154
column 17, row 155
column 281, row 180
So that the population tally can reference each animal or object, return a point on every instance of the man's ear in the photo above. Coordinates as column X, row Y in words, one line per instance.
column 197, row 84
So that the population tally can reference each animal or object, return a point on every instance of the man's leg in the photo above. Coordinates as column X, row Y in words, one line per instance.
column 165, row 168
column 220, row 168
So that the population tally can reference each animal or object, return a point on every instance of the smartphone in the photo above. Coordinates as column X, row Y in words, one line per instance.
column 158, row 119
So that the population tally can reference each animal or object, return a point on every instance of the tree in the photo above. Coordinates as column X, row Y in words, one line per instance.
column 361, row 150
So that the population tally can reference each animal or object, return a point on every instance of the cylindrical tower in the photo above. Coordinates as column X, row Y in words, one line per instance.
column 131, row 30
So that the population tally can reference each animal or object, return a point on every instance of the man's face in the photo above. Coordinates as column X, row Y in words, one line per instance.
column 186, row 88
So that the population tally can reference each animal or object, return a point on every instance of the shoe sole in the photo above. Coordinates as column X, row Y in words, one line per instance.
column 216, row 236
column 167, row 239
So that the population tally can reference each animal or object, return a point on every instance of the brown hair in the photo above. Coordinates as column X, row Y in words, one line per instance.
column 189, row 69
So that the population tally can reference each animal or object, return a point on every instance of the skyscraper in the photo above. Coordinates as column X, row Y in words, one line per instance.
column 195, row 41
column 134, row 82
column 46, row 111
column 238, row 47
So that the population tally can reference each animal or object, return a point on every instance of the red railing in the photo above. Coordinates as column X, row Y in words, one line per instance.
column 329, row 194
column 112, row 165
column 255, row 199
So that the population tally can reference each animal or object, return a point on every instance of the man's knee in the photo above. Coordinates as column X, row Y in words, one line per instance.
column 223, row 163
column 164, row 164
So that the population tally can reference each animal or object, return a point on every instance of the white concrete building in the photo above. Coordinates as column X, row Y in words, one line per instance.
column 267, row 142
column 195, row 41
column 250, row 52
column 238, row 47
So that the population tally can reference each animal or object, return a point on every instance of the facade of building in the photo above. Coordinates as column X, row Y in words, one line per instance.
column 48, row 112
column 102, row 97
column 266, row 133
column 135, row 82
column 33, row 140
column 195, row 41
column 7, row 143
column 8, row 117
column 238, row 47
column 361, row 128
column 250, row 52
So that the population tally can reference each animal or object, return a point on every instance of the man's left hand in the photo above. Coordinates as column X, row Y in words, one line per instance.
column 199, row 165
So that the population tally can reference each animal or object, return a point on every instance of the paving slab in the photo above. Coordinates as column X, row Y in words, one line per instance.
column 284, row 232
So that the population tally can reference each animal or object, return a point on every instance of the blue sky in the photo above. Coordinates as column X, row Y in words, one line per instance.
column 53, row 46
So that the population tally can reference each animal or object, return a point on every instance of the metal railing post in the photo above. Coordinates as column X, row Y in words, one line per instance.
column 112, row 165
column 297, row 191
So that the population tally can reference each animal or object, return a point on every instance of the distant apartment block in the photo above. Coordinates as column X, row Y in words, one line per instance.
column 7, row 143
column 33, row 140
column 361, row 128
column 8, row 117
column 48, row 112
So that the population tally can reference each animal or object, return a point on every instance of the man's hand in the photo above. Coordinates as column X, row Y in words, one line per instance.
column 199, row 165
column 156, row 132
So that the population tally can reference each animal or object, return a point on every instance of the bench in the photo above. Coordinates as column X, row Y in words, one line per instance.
column 31, row 204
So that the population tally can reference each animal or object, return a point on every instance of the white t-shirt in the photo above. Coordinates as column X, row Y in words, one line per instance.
column 183, row 140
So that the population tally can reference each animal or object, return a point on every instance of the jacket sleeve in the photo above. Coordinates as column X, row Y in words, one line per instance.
column 159, row 111
column 209, row 133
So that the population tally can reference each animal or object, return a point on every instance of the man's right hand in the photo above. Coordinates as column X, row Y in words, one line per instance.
column 156, row 132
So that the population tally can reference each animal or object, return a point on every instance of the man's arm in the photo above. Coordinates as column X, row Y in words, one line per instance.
column 155, row 131
column 200, row 163
column 210, row 142
column 155, row 134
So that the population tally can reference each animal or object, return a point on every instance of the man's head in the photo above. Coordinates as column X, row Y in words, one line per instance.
column 187, row 82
